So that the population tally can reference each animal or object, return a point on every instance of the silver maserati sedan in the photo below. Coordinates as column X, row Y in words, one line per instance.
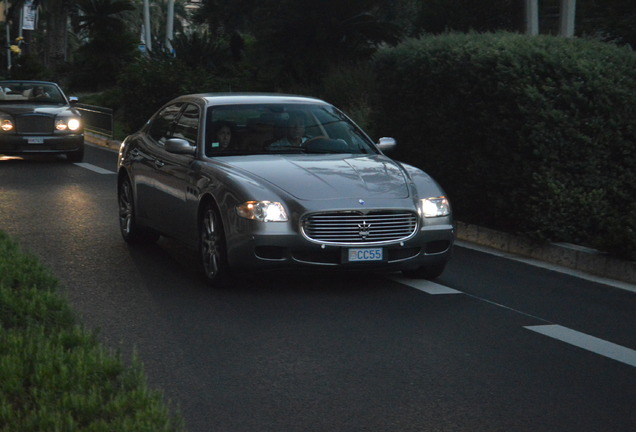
column 260, row 182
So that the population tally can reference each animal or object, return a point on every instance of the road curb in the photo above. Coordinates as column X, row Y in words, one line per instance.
column 562, row 254
column 101, row 141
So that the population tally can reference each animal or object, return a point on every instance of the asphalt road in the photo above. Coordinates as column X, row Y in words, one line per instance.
column 493, row 345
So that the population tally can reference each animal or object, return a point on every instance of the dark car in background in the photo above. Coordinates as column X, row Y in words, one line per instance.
column 36, row 117
column 258, row 182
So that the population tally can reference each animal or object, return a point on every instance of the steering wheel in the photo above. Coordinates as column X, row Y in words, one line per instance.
column 312, row 139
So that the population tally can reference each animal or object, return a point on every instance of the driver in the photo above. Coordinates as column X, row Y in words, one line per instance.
column 295, row 132
column 40, row 93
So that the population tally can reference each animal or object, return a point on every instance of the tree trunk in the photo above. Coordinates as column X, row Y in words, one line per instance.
column 56, row 33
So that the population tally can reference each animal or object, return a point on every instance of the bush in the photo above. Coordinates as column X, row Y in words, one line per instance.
column 54, row 375
column 149, row 83
column 528, row 135
column 351, row 88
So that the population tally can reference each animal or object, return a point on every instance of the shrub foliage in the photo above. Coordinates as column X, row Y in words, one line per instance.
column 55, row 376
column 150, row 82
column 528, row 135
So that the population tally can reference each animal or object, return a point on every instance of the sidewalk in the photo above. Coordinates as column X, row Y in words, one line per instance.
column 561, row 254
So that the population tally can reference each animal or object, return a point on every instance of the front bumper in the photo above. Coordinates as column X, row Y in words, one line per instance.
column 261, row 251
column 30, row 144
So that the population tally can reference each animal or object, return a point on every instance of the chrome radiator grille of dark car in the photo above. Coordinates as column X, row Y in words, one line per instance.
column 34, row 124
column 356, row 227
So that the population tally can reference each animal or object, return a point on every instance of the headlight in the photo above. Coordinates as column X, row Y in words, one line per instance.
column 74, row 124
column 6, row 125
column 435, row 207
column 262, row 211
column 71, row 124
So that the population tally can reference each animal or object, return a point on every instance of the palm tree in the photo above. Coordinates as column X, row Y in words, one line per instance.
column 301, row 38
column 107, row 44
column 98, row 18
column 55, row 47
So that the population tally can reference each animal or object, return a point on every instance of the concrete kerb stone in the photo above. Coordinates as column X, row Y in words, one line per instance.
column 563, row 254
column 101, row 141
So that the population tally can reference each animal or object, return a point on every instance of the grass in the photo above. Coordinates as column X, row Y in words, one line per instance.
column 54, row 375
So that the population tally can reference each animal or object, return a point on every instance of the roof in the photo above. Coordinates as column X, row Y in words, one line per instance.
column 248, row 98
column 16, row 81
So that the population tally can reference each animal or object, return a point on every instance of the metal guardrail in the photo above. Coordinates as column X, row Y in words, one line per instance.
column 97, row 119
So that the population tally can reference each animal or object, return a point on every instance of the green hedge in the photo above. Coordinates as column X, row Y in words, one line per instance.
column 54, row 376
column 149, row 83
column 532, row 135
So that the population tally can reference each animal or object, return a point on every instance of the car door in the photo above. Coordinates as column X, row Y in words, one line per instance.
column 147, row 151
column 173, row 176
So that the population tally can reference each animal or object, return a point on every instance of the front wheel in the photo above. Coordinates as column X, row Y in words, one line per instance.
column 427, row 271
column 212, row 248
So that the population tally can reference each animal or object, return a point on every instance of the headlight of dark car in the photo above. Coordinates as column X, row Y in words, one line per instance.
column 72, row 124
column 435, row 207
column 6, row 124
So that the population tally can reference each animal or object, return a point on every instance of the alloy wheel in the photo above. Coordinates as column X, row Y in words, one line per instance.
column 212, row 248
column 125, row 208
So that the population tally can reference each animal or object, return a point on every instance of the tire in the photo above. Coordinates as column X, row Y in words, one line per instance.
column 428, row 271
column 128, row 227
column 212, row 249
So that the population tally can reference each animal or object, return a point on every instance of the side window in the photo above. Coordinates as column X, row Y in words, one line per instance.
column 187, row 126
column 162, row 124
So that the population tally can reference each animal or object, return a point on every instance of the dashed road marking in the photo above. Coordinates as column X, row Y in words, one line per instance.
column 426, row 286
column 587, row 342
column 555, row 331
column 94, row 168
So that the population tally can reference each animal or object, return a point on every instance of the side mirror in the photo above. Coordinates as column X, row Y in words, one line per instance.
column 73, row 99
column 180, row 146
column 386, row 144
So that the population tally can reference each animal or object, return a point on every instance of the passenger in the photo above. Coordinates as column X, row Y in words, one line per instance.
column 222, row 136
column 295, row 133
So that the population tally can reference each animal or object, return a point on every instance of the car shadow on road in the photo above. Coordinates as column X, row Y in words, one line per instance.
column 32, row 159
column 170, row 263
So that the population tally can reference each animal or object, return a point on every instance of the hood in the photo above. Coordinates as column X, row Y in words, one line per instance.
column 330, row 176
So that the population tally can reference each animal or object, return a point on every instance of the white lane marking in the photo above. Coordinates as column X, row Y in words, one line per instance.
column 425, row 286
column 587, row 342
column 94, row 168
column 555, row 331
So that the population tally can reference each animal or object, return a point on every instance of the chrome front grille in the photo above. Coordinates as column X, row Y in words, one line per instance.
column 356, row 227
column 34, row 124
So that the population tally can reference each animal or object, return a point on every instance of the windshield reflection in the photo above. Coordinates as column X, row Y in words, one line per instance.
column 282, row 129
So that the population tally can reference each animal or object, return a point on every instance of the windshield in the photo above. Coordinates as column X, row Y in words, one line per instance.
column 281, row 128
column 29, row 92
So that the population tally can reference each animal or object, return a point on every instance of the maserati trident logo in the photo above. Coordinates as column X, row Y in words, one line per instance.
column 363, row 230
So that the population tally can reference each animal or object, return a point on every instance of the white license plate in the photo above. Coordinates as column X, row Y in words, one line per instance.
column 35, row 140
column 365, row 254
